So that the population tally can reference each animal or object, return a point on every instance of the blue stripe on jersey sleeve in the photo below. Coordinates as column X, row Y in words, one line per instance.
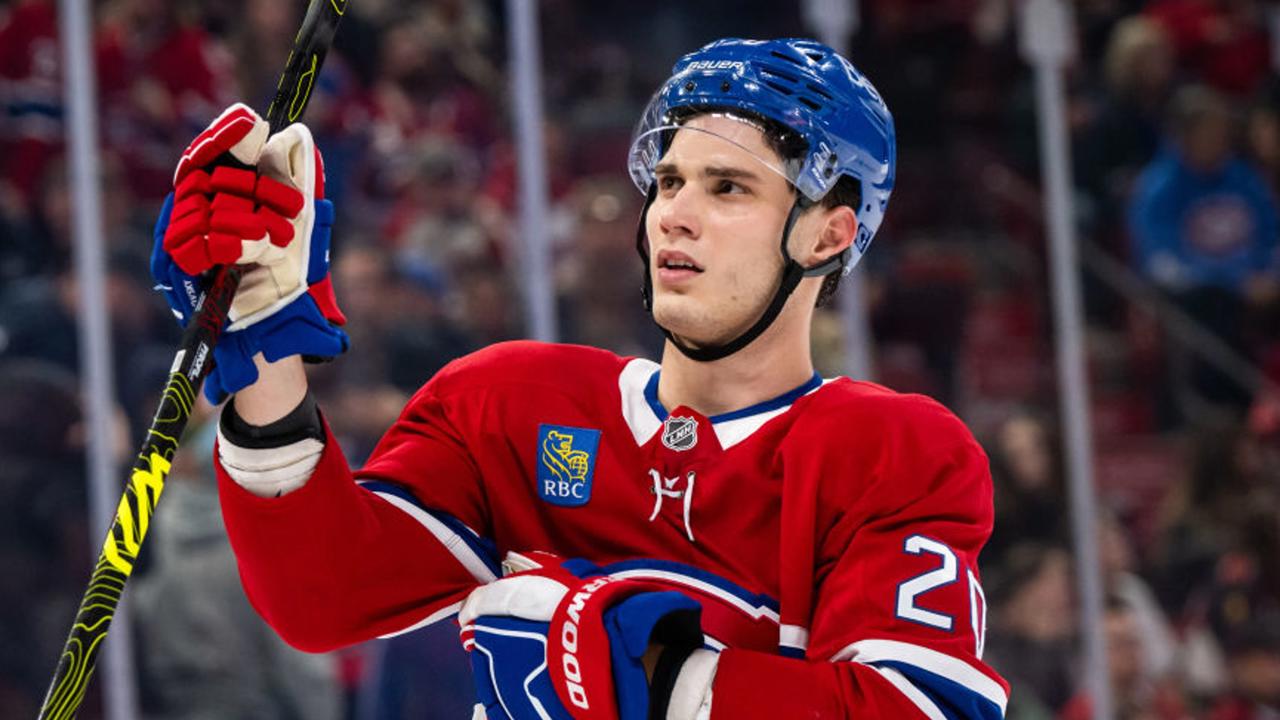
column 484, row 548
column 956, row 701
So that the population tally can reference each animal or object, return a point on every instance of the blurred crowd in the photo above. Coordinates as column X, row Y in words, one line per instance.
column 1174, row 112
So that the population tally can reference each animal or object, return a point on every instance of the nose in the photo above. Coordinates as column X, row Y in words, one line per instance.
column 678, row 213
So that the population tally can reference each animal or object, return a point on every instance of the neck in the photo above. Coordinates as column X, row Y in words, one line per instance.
column 776, row 362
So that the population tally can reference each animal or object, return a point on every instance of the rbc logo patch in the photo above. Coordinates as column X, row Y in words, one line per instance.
column 566, row 463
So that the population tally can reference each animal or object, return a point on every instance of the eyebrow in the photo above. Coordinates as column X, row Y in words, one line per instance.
column 717, row 171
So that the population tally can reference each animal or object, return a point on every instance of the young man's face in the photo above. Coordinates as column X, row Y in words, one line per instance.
column 721, row 209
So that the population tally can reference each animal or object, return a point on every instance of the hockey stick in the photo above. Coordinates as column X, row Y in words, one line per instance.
column 190, row 366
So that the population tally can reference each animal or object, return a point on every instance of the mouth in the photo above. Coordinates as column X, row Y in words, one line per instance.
column 677, row 263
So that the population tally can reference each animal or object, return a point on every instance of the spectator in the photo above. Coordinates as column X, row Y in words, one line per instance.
column 1134, row 599
column 363, row 274
column 1254, row 662
column 1262, row 133
column 261, row 39
column 1220, row 42
column 44, row 540
column 426, row 338
column 601, row 308
column 30, row 126
column 170, row 77
column 39, row 317
column 1201, row 218
column 1134, row 694
column 1124, row 136
column 44, row 533
column 419, row 92
column 464, row 29
column 1029, row 499
column 431, row 222
column 488, row 303
column 1200, row 516
column 203, row 653
column 1204, row 229
column 1032, row 628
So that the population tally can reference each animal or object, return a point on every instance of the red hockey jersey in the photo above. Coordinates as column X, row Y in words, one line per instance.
column 831, row 534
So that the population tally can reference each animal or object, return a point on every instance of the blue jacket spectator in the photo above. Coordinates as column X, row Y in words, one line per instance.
column 1200, row 216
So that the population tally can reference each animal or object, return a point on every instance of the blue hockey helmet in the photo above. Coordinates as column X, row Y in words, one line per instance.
column 801, row 85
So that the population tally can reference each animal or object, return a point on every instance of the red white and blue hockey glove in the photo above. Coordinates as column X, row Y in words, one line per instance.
column 557, row 641
column 243, row 197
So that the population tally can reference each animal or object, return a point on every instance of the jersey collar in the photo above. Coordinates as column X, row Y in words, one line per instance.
column 645, row 414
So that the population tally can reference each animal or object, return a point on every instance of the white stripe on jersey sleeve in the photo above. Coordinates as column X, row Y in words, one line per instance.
column 452, row 542
column 919, row 699
column 954, row 669
column 793, row 636
column 431, row 619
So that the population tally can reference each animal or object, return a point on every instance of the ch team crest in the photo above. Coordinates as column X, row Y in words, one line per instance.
column 566, row 464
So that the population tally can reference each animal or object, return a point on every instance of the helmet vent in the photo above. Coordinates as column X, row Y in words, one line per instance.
column 819, row 91
column 783, row 56
column 781, row 75
column 816, row 56
column 779, row 87
column 809, row 103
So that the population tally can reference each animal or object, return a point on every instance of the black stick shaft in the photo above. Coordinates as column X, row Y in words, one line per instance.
column 191, row 365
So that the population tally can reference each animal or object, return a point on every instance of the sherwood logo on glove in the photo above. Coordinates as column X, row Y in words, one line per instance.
column 569, row 641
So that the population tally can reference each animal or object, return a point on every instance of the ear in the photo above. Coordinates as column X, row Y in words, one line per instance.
column 837, row 228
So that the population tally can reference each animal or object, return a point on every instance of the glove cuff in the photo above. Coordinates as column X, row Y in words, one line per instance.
column 689, row 697
column 664, row 679
column 297, row 329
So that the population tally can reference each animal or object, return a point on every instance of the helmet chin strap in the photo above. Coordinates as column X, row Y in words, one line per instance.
column 792, row 273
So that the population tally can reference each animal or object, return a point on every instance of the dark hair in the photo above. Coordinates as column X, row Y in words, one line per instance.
column 1019, row 565
column 790, row 146
column 847, row 190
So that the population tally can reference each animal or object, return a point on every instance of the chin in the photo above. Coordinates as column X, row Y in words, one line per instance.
column 685, row 318
column 680, row 315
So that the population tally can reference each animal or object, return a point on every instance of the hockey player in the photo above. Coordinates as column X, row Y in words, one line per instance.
column 733, row 536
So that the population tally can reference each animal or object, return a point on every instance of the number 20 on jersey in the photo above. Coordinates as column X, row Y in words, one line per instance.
column 910, row 591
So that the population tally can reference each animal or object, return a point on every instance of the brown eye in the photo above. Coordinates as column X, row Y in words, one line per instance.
column 668, row 182
column 728, row 187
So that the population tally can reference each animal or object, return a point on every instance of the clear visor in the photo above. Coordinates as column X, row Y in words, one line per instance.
column 823, row 162
column 649, row 147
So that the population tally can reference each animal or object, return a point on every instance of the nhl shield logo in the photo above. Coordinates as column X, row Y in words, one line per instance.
column 680, row 433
